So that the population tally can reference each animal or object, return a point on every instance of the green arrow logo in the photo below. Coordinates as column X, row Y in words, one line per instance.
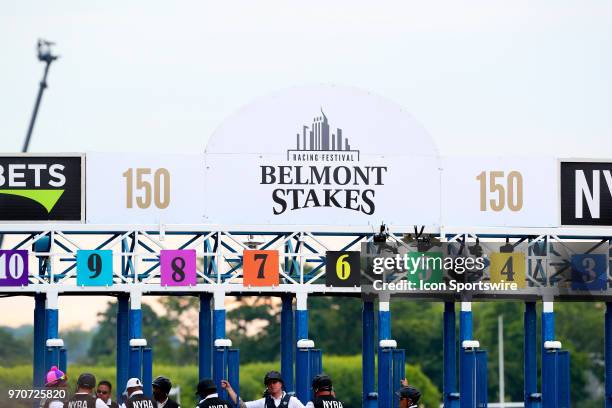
column 46, row 198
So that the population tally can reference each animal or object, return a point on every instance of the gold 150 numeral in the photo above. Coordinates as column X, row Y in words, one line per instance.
column 159, row 191
column 511, row 193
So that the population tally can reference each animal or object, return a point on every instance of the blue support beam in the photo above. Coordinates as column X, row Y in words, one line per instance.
column 302, row 389
column 287, row 342
column 219, row 324
column 147, row 371
column 467, row 360
column 135, row 323
column 385, row 377
column 233, row 370
column 302, row 360
column 123, row 344
column 608, row 355
column 219, row 353
column 39, row 341
column 135, row 360
column 205, row 348
column 368, row 354
column 52, row 330
column 450, row 357
column 530, row 362
column 385, row 355
column 63, row 360
column 219, row 369
column 549, row 370
column 135, row 330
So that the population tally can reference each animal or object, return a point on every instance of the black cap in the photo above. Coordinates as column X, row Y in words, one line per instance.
column 322, row 382
column 86, row 380
column 163, row 384
column 206, row 386
column 409, row 392
column 273, row 376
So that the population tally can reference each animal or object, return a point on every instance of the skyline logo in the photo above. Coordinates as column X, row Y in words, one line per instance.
column 320, row 143
column 37, row 188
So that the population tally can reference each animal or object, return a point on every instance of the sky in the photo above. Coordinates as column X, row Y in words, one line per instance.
column 484, row 77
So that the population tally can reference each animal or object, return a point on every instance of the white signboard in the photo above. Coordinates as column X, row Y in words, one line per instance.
column 499, row 191
column 133, row 188
column 322, row 156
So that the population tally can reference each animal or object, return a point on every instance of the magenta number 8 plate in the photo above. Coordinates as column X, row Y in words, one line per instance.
column 178, row 267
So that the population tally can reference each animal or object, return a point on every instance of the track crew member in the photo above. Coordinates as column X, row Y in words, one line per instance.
column 207, row 391
column 104, row 393
column 324, row 395
column 84, row 398
column 409, row 395
column 274, row 396
column 161, row 389
column 136, row 399
column 56, row 380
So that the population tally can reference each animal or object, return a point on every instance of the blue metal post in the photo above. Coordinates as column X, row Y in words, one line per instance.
column 399, row 373
column 467, row 380
column 302, row 357
column 147, row 371
column 549, row 371
column 219, row 316
column 63, row 360
column 135, row 330
column 287, row 344
column 123, row 344
column 385, row 356
column 233, row 369
column 135, row 360
column 219, row 365
column 301, row 317
column 608, row 354
column 302, row 389
column 40, row 334
column 530, row 362
column 205, row 348
column 384, row 321
column 219, row 353
column 368, row 354
column 467, row 360
column 450, row 357
column 51, row 319
column 385, row 375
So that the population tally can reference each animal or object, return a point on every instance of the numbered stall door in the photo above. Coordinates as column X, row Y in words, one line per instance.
column 260, row 267
column 589, row 272
column 133, row 188
column 178, row 267
column 508, row 267
column 342, row 269
column 13, row 267
column 499, row 191
column 94, row 267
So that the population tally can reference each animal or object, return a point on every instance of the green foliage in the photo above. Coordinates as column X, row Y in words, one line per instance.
column 158, row 330
column 13, row 350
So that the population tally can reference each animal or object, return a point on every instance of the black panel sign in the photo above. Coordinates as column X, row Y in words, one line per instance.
column 41, row 188
column 342, row 269
column 586, row 193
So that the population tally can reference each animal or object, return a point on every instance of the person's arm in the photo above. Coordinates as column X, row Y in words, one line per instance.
column 295, row 403
column 100, row 403
column 232, row 394
column 230, row 391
